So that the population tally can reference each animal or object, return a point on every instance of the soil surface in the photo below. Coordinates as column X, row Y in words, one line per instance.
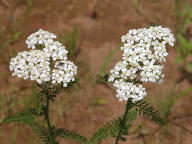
column 101, row 23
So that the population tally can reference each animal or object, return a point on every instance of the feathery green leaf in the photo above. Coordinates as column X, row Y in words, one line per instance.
column 151, row 112
column 28, row 117
column 26, row 114
column 67, row 134
column 111, row 129
column 39, row 129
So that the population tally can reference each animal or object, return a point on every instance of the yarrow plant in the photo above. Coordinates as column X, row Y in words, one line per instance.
column 144, row 52
column 47, row 64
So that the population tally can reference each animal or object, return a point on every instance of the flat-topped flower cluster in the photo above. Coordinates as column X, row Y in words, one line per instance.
column 37, row 64
column 144, row 51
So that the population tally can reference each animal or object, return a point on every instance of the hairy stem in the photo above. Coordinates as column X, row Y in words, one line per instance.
column 123, row 121
column 46, row 114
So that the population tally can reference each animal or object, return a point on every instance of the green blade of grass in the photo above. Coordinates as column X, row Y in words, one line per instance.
column 103, row 68
column 70, row 41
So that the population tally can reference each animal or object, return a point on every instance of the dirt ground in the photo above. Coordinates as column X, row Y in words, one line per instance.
column 101, row 24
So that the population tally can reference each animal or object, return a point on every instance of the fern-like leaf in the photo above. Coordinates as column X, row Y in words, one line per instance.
column 151, row 112
column 27, row 117
column 39, row 129
column 111, row 129
column 67, row 134
column 28, row 113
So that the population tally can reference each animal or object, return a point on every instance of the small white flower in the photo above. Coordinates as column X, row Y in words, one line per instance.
column 144, row 51
column 123, row 71
column 126, row 90
column 64, row 72
column 152, row 73
column 36, row 64
column 32, row 64
column 56, row 50
column 40, row 37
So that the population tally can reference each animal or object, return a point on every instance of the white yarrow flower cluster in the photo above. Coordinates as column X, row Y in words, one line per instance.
column 122, row 71
column 126, row 90
column 64, row 72
column 144, row 51
column 36, row 64
column 56, row 50
column 40, row 37
column 32, row 64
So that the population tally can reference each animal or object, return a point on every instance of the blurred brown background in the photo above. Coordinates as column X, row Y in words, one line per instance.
column 91, row 103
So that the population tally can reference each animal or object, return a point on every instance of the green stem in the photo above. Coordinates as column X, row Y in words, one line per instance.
column 123, row 121
column 46, row 113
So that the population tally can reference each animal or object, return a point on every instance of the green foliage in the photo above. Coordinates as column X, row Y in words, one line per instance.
column 97, row 102
column 36, row 98
column 101, row 74
column 51, row 91
column 27, row 117
column 179, row 59
column 70, row 41
column 167, row 104
column 189, row 65
column 145, row 108
column 184, row 11
column 182, row 93
column 136, row 5
column 185, row 46
column 14, row 37
column 111, row 129
column 47, row 134
column 29, row 4
column 183, row 18
column 26, row 114
column 104, row 66
column 67, row 134
column 40, row 130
